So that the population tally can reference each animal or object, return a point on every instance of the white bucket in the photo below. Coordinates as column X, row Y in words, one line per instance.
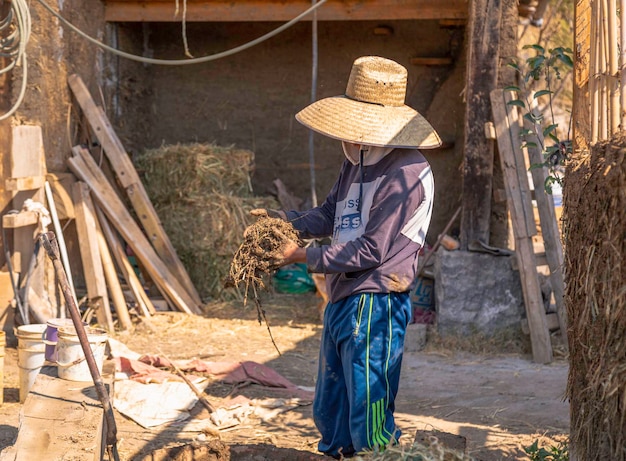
column 71, row 359
column 30, row 355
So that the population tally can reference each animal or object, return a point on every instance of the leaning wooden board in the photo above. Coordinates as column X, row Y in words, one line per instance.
column 90, row 255
column 83, row 165
column 519, row 200
column 128, row 177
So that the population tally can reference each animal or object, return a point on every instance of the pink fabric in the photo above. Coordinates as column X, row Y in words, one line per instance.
column 147, row 370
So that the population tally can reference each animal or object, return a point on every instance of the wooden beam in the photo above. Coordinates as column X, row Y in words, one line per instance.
column 84, row 166
column 481, row 78
column 280, row 10
column 425, row 61
column 27, row 183
column 90, row 255
column 128, row 177
column 21, row 219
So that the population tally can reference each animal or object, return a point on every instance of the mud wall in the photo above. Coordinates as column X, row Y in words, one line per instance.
column 249, row 99
column 53, row 53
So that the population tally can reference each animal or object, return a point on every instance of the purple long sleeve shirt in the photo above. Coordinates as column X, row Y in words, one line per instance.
column 374, row 247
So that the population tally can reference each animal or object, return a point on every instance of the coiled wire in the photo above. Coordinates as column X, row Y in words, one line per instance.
column 14, row 35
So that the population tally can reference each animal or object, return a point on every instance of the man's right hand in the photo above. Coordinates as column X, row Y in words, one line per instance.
column 261, row 212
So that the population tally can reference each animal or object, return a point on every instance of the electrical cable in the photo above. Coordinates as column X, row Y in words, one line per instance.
column 182, row 62
column 13, row 46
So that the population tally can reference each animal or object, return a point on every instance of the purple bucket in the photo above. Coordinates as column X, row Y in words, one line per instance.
column 51, row 336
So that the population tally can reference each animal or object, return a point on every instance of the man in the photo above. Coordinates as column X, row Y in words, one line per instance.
column 377, row 213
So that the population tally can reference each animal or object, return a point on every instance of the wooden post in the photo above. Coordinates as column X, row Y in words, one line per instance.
column 482, row 73
column 90, row 255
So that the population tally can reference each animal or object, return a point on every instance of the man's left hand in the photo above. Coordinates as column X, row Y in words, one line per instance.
column 292, row 253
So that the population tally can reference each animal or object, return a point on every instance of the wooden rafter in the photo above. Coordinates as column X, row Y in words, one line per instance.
column 281, row 10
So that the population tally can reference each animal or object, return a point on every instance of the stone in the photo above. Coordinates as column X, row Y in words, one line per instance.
column 476, row 293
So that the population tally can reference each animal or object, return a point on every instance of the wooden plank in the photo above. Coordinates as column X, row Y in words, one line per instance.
column 83, row 165
column 28, row 157
column 21, row 219
column 279, row 10
column 128, row 177
column 90, row 255
column 518, row 190
column 482, row 73
column 22, row 184
column 61, row 419
column 61, row 185
column 425, row 61
column 27, row 160
column 124, row 264
column 508, row 147
column 549, row 229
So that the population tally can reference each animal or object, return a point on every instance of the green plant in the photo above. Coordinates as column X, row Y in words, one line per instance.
column 541, row 131
column 552, row 453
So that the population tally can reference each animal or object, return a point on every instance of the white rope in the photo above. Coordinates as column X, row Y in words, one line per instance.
column 182, row 62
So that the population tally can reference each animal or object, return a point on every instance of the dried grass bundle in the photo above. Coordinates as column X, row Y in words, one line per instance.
column 595, row 240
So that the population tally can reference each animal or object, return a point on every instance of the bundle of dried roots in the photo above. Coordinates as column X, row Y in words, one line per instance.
column 258, row 257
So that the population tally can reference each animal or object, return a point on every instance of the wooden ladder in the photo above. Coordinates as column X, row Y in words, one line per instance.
column 519, row 198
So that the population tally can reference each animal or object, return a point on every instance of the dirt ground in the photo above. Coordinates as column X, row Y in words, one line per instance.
column 499, row 402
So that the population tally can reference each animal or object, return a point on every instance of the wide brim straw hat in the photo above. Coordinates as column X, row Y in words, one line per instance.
column 372, row 111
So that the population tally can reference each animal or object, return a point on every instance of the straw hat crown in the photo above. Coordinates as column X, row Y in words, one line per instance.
column 372, row 110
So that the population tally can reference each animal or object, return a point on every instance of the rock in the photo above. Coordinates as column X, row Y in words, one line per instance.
column 476, row 293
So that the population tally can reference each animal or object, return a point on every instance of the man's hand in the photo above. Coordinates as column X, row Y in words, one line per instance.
column 292, row 253
column 262, row 212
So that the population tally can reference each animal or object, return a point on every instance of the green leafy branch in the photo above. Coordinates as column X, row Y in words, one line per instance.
column 541, row 132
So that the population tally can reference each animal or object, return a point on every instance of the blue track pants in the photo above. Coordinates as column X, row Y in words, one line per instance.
column 359, row 372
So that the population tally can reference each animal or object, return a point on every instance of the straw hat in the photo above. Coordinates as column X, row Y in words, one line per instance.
column 372, row 111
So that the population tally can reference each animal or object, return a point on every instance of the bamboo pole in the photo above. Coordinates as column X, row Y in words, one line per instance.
column 604, row 126
column 613, row 80
column 61, row 241
column 593, row 73
column 623, row 64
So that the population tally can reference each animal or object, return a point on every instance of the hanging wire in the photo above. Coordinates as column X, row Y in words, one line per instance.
column 181, row 62
column 313, row 98
column 17, row 26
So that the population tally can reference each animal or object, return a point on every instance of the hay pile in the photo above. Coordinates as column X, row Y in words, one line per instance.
column 595, row 241
column 203, row 196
